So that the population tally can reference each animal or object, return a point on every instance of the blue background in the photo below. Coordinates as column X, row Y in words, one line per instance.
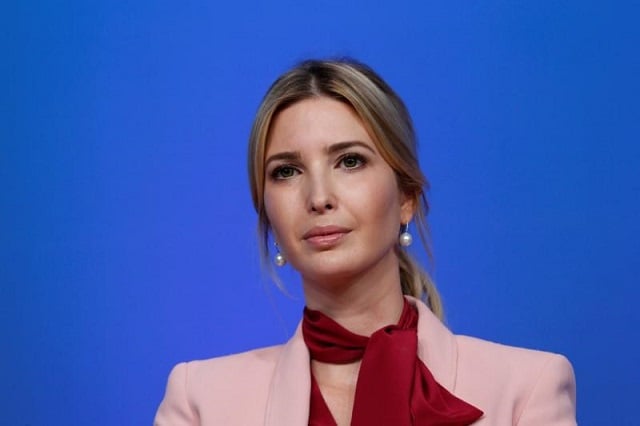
column 127, row 238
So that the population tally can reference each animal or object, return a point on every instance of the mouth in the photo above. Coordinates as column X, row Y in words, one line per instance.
column 325, row 236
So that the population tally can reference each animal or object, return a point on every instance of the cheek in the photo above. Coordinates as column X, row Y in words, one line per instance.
column 270, row 208
column 378, row 202
column 275, row 205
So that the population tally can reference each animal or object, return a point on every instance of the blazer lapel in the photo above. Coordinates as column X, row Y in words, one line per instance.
column 290, row 389
column 437, row 346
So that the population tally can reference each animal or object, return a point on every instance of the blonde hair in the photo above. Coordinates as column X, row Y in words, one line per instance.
column 387, row 120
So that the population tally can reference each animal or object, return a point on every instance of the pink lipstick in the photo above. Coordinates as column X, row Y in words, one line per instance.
column 324, row 237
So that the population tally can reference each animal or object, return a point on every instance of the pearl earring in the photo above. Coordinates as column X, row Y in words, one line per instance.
column 405, row 238
column 279, row 259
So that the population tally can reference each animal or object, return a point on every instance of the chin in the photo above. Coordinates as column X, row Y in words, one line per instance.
column 329, row 272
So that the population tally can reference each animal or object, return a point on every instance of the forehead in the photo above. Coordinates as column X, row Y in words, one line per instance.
column 316, row 123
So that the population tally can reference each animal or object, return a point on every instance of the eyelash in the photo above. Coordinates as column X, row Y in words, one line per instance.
column 276, row 173
column 362, row 161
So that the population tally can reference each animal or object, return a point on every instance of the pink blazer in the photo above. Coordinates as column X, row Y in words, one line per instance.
column 271, row 386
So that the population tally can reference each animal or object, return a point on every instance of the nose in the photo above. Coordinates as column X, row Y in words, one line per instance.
column 320, row 194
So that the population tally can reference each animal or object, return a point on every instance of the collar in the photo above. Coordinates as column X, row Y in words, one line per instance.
column 288, row 401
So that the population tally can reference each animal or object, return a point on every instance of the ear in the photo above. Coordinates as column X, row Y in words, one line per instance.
column 408, row 204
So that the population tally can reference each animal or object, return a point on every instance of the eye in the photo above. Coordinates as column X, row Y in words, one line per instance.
column 352, row 161
column 283, row 172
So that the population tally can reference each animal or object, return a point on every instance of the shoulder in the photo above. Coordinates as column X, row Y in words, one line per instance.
column 527, row 386
column 196, row 388
column 250, row 363
column 490, row 355
column 229, row 372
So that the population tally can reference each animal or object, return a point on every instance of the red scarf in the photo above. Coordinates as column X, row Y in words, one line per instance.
column 394, row 386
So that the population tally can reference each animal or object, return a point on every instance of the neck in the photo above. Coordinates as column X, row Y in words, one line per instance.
column 360, row 304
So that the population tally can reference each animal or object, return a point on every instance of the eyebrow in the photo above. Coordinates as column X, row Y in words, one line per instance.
column 286, row 156
column 331, row 149
column 341, row 146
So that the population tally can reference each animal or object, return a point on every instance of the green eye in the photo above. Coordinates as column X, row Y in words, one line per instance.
column 286, row 172
column 352, row 161
column 283, row 172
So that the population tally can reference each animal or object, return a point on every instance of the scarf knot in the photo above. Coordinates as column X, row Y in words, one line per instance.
column 394, row 386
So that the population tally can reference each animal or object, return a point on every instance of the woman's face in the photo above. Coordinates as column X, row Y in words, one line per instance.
column 332, row 201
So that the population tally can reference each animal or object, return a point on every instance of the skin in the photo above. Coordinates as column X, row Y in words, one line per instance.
column 335, row 209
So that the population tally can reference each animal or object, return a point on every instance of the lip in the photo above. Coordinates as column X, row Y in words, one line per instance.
column 325, row 236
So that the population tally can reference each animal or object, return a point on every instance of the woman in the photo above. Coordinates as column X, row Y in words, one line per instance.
column 335, row 179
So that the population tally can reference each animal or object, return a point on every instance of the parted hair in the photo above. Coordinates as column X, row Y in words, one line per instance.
column 387, row 120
